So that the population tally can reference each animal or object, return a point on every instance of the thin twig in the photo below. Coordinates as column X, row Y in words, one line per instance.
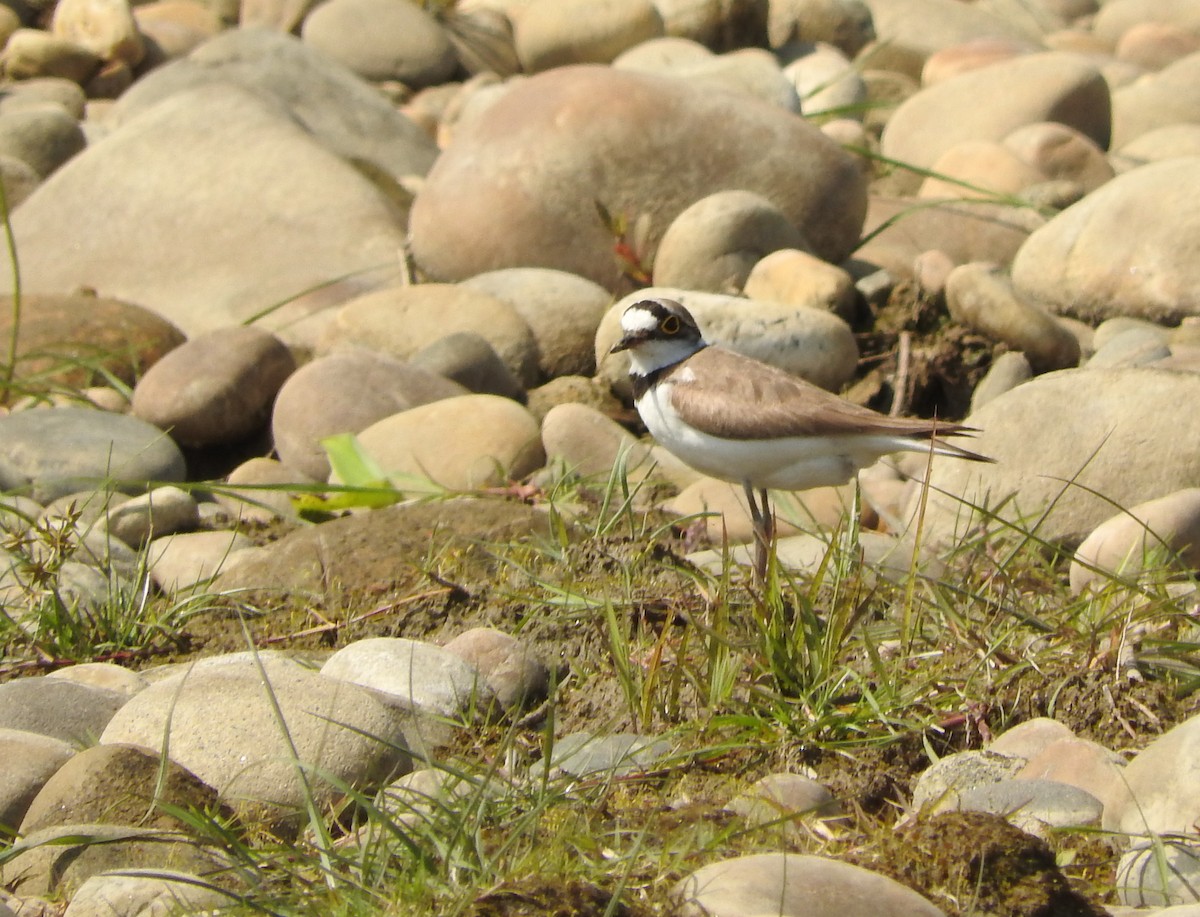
column 357, row 619
column 903, row 367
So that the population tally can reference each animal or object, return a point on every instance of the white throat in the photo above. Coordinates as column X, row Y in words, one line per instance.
column 652, row 355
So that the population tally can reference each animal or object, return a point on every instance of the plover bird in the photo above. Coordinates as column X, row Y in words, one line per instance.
column 740, row 420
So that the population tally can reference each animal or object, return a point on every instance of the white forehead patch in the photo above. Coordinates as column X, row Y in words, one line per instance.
column 638, row 319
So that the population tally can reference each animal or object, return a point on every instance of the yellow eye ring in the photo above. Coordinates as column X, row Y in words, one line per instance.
column 670, row 325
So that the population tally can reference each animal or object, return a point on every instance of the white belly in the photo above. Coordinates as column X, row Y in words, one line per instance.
column 793, row 463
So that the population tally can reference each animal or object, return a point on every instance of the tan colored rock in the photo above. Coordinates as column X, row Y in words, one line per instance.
column 1143, row 538
column 981, row 296
column 972, row 54
column 399, row 321
column 1050, row 86
column 795, row 277
column 32, row 53
column 461, row 443
column 715, row 242
column 175, row 27
column 978, row 169
column 554, row 33
column 1170, row 96
column 105, row 27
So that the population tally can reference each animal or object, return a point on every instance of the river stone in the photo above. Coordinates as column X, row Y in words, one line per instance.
column 173, row 28
column 941, row 785
column 954, row 60
column 181, row 562
column 1155, row 45
column 1170, row 96
column 714, row 243
column 59, row 330
column 1092, row 427
column 981, row 296
column 1061, row 152
column 751, row 71
column 144, row 893
column 1157, row 875
column 1115, row 18
column 512, row 669
column 468, row 359
column 1007, row 371
column 582, row 754
column 1159, row 791
column 29, row 761
column 32, row 53
column 844, row 24
column 56, row 451
column 793, row 276
column 382, row 40
column 162, row 511
column 223, row 231
column 401, row 320
column 520, row 184
column 1053, row 86
column 1125, row 249
column 334, row 107
column 260, row 491
column 795, row 885
column 979, row 170
column 43, row 136
column 588, row 443
column 909, row 31
column 1034, row 805
column 338, row 731
column 63, row 710
column 554, row 33
column 419, row 676
column 962, row 230
column 345, row 393
column 825, row 80
column 1077, row 762
column 19, row 180
column 1029, row 739
column 787, row 799
column 117, row 785
column 217, row 388
column 806, row 342
column 562, row 310
column 104, row 27
column 1143, row 537
column 458, row 443
column 107, row 675
column 57, row 861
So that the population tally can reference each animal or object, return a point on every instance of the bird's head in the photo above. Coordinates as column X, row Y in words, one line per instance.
column 658, row 333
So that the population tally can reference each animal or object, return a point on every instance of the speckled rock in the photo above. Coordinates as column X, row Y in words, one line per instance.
column 335, row 728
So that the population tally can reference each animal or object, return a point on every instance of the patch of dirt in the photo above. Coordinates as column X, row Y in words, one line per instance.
column 973, row 862
column 540, row 897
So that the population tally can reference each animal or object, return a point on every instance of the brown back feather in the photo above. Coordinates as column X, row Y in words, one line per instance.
column 783, row 405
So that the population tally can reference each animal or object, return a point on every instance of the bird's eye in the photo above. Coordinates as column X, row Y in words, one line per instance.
column 671, row 325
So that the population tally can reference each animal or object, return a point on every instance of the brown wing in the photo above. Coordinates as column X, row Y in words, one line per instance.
column 745, row 399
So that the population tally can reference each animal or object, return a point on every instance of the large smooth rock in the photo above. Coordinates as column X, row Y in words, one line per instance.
column 520, row 183
column 29, row 761
column 57, row 451
column 1171, row 96
column 1055, row 86
column 59, row 709
column 1128, row 248
column 792, row 885
column 336, row 730
column 232, row 208
column 338, row 109
column 1126, row 434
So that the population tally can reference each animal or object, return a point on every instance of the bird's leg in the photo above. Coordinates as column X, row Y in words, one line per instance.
column 764, row 528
